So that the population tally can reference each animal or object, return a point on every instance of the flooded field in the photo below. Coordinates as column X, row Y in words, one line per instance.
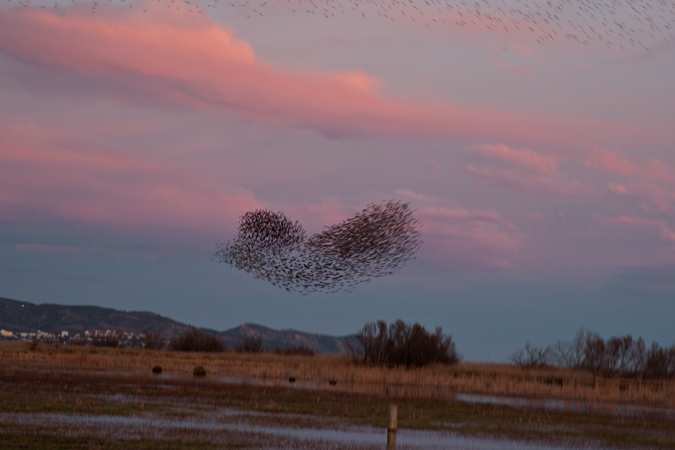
column 406, row 391
column 104, row 401
column 222, row 426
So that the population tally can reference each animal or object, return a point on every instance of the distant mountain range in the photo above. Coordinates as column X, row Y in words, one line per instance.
column 18, row 317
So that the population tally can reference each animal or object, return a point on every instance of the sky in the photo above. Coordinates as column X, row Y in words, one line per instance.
column 535, row 142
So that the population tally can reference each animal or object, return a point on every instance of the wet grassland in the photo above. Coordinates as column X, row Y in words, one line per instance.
column 84, row 398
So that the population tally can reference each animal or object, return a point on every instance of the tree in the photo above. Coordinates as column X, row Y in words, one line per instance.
column 532, row 356
column 570, row 353
column 401, row 344
column 194, row 340
column 595, row 355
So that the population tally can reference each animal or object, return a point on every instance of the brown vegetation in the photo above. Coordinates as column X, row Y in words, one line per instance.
column 401, row 344
column 194, row 340
column 616, row 357
column 430, row 381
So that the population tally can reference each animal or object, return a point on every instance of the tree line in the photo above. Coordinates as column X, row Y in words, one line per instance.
column 622, row 356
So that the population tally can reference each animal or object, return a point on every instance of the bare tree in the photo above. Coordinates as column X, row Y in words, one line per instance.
column 400, row 344
column 532, row 356
column 569, row 354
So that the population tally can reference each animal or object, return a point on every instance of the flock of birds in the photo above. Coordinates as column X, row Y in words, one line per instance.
column 613, row 23
column 374, row 243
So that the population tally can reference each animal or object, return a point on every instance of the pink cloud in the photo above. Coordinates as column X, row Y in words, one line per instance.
column 648, row 195
column 522, row 48
column 431, row 163
column 101, row 186
column 653, row 170
column 610, row 161
column 169, row 58
column 523, row 72
column 649, row 183
column 470, row 239
column 665, row 231
column 523, row 170
column 523, row 157
column 320, row 214
column 416, row 196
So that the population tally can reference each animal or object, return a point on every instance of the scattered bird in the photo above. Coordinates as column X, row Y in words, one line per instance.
column 611, row 23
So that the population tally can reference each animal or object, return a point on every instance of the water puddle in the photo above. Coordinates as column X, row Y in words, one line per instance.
column 620, row 410
column 578, row 406
column 351, row 436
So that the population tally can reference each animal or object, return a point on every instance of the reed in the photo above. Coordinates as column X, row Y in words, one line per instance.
column 466, row 377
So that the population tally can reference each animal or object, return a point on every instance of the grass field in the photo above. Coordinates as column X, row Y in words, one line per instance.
column 95, row 382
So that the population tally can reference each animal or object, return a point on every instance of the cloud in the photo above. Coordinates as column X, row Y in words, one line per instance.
column 96, row 185
column 518, row 158
column 169, row 59
column 431, row 163
column 522, row 48
column 522, row 170
column 649, row 183
column 467, row 240
column 416, row 196
column 523, row 72
column 653, row 170
column 666, row 232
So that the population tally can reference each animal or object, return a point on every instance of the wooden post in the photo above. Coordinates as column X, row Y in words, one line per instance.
column 391, row 431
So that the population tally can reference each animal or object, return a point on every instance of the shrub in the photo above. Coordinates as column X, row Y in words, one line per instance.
column 401, row 344
column 194, row 340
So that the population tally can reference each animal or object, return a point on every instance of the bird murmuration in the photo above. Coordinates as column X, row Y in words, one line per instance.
column 373, row 243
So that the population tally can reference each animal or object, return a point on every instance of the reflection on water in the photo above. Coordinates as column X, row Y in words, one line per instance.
column 394, row 391
column 318, row 438
column 567, row 405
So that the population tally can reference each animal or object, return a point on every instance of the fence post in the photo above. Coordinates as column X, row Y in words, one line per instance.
column 391, row 431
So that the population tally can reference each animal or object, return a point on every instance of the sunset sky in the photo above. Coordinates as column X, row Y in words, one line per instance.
column 536, row 145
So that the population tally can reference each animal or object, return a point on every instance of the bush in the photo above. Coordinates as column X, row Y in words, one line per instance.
column 250, row 345
column 194, row 340
column 401, row 344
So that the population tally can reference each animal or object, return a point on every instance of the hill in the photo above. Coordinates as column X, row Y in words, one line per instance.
column 286, row 338
column 18, row 317
column 27, row 317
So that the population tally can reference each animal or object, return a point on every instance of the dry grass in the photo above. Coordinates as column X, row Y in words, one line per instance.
column 493, row 379
column 85, row 382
